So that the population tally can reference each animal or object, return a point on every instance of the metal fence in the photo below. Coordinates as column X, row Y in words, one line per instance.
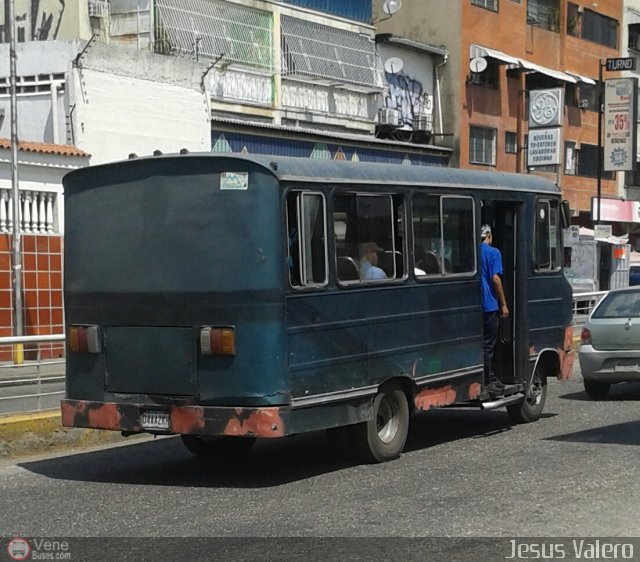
column 29, row 383
column 583, row 304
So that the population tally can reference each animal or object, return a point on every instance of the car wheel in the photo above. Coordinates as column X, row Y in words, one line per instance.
column 530, row 409
column 596, row 389
column 383, row 437
column 219, row 448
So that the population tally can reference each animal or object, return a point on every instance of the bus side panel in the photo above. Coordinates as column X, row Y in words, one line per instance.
column 354, row 338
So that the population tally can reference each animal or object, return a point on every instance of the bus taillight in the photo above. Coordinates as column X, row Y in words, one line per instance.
column 217, row 341
column 84, row 339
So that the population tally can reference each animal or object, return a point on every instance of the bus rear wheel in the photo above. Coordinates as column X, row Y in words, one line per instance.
column 383, row 437
column 219, row 448
column 530, row 409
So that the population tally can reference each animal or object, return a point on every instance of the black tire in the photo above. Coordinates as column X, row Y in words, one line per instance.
column 530, row 409
column 383, row 437
column 219, row 448
column 596, row 390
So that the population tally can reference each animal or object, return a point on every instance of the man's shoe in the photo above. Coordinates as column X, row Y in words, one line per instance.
column 495, row 388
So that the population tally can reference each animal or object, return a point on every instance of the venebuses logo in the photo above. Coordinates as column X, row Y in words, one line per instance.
column 18, row 549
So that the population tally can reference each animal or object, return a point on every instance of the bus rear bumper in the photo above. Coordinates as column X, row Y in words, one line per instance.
column 195, row 420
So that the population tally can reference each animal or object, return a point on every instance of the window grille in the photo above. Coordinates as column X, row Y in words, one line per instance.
column 482, row 146
column 320, row 51
column 33, row 84
column 599, row 29
column 510, row 142
column 544, row 13
column 488, row 4
column 210, row 28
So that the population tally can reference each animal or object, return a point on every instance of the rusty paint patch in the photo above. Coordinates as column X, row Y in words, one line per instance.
column 67, row 413
column 435, row 397
column 566, row 363
column 187, row 420
column 264, row 422
column 104, row 416
column 474, row 390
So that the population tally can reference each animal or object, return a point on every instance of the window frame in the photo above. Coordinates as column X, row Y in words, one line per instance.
column 442, row 273
column 494, row 132
column 393, row 198
column 588, row 25
column 485, row 4
column 549, row 21
column 300, row 195
column 555, row 264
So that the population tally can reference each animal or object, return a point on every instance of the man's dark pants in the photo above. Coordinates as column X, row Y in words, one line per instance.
column 490, row 321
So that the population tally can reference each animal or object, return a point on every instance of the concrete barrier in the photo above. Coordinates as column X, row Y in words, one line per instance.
column 40, row 433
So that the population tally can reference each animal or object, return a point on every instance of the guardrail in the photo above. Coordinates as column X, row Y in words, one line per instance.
column 583, row 304
column 33, row 384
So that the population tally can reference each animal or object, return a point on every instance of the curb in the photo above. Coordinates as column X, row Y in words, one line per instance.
column 40, row 433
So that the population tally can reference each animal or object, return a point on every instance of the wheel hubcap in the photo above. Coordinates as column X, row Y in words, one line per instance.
column 535, row 391
column 387, row 419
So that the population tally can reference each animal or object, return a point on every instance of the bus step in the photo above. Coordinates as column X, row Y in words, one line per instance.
column 503, row 401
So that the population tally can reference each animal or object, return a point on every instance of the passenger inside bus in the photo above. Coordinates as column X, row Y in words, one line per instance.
column 369, row 262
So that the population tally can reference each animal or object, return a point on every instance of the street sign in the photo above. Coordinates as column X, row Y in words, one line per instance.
column 620, row 114
column 625, row 63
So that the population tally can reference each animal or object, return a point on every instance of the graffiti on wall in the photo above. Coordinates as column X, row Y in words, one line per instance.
column 407, row 96
column 36, row 20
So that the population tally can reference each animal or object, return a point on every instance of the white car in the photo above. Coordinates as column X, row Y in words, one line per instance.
column 610, row 342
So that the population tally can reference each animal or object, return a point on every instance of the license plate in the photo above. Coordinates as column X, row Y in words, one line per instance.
column 155, row 420
column 626, row 366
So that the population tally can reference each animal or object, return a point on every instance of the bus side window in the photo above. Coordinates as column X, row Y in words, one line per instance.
column 546, row 241
column 306, row 239
column 368, row 221
column 444, row 234
column 458, row 234
column 426, row 234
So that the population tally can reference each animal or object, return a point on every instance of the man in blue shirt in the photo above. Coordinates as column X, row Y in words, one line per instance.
column 493, row 304
column 369, row 262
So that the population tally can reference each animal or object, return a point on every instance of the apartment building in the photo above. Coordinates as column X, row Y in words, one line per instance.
column 518, row 47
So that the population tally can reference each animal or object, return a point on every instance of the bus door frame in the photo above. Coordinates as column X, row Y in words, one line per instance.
column 505, row 216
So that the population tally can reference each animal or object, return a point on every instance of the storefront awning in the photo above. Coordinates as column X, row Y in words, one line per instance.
column 480, row 51
column 548, row 71
column 581, row 78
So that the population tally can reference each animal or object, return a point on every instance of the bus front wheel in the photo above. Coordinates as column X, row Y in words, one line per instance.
column 383, row 437
column 530, row 409
column 219, row 448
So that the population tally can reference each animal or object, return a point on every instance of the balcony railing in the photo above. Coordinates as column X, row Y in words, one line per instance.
column 37, row 210
column 98, row 8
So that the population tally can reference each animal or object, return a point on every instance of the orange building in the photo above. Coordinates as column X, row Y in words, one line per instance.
column 499, row 52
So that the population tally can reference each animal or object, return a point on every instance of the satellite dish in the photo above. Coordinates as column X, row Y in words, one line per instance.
column 390, row 7
column 478, row 64
column 393, row 65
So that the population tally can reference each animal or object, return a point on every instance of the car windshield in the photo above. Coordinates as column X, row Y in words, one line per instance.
column 619, row 305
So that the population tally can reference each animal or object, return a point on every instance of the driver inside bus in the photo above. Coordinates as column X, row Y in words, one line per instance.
column 369, row 262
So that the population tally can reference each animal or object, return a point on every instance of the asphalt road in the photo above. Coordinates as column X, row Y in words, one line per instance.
column 465, row 473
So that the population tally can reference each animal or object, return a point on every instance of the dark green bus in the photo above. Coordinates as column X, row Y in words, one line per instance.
column 223, row 298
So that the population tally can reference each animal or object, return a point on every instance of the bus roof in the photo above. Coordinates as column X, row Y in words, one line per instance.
column 309, row 170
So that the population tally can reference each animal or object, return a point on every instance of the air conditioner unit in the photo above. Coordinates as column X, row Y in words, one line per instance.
column 423, row 122
column 388, row 117
column 583, row 103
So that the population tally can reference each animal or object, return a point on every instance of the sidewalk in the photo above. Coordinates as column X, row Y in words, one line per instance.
column 39, row 433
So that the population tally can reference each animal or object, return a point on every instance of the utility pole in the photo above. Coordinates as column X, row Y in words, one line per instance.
column 15, row 188
column 600, row 150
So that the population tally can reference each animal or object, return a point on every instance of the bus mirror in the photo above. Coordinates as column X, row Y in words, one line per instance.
column 566, row 214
